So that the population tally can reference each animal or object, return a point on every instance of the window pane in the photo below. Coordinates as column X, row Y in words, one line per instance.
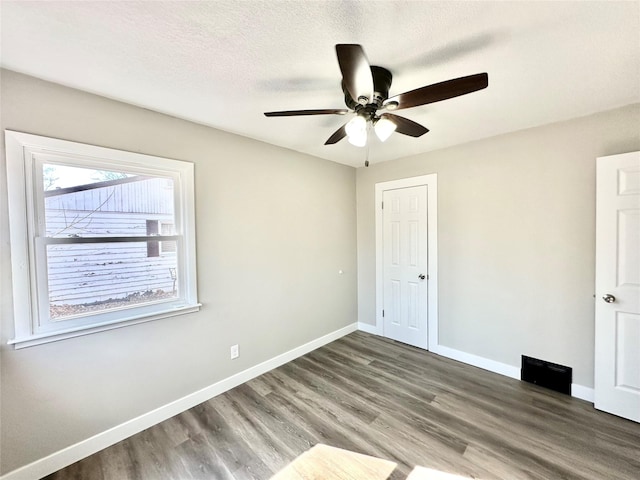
column 168, row 246
column 81, row 202
column 93, row 277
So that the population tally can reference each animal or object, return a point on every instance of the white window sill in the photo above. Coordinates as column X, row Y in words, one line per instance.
column 48, row 337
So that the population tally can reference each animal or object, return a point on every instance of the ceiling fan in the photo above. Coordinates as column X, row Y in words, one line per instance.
column 366, row 93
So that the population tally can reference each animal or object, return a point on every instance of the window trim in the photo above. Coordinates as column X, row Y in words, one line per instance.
column 23, row 215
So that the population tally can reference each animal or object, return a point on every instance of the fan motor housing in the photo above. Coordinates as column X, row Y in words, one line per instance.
column 381, row 83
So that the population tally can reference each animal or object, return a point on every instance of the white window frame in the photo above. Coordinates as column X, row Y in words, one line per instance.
column 26, row 206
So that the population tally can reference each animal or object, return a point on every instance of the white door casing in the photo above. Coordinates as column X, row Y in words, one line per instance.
column 404, row 220
column 419, row 298
column 617, row 323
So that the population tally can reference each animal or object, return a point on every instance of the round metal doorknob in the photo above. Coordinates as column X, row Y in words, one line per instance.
column 421, row 276
column 609, row 298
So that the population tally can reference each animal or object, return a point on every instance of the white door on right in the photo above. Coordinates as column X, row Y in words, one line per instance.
column 617, row 333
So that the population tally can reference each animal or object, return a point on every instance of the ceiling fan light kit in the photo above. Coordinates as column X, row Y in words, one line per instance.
column 356, row 130
column 384, row 128
column 366, row 91
column 358, row 127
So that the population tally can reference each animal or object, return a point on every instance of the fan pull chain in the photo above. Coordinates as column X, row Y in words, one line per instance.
column 368, row 144
column 366, row 160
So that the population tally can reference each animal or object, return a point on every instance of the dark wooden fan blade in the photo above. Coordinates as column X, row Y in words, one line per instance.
column 406, row 126
column 337, row 136
column 293, row 113
column 441, row 91
column 356, row 71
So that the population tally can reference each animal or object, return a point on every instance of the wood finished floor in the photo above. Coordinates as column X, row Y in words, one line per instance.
column 378, row 397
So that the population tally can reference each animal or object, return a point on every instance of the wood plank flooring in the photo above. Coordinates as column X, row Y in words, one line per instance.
column 385, row 399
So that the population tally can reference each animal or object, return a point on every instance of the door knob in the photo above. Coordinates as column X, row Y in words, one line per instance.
column 609, row 298
column 421, row 276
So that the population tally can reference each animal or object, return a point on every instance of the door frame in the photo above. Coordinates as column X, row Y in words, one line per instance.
column 431, row 182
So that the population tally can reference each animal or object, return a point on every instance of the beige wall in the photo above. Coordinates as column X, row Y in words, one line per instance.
column 516, row 232
column 273, row 229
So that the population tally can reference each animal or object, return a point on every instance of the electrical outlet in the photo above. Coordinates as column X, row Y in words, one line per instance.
column 235, row 351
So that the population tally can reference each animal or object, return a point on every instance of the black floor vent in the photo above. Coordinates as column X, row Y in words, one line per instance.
column 546, row 374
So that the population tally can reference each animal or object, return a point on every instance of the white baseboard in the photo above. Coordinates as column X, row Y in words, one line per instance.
column 368, row 328
column 480, row 362
column 583, row 393
column 54, row 462
column 577, row 391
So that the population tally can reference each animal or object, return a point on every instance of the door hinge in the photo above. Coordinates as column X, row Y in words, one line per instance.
column 382, row 313
column 382, row 205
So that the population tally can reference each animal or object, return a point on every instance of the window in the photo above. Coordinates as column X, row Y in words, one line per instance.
column 168, row 246
column 153, row 249
column 100, row 238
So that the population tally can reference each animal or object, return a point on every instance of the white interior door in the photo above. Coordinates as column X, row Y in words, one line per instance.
column 405, row 265
column 617, row 347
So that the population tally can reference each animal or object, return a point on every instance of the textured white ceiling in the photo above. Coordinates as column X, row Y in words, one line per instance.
column 223, row 63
